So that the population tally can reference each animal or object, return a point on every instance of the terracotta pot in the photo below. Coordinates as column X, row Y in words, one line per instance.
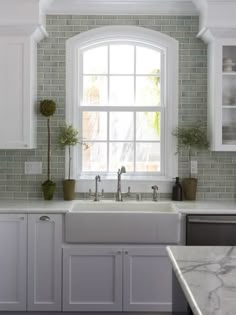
column 190, row 188
column 48, row 188
column 69, row 189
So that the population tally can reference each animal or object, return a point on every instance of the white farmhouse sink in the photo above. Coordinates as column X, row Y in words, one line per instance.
column 122, row 222
column 125, row 206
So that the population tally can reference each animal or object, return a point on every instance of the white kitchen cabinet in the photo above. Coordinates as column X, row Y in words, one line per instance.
column 18, row 92
column 13, row 264
column 92, row 278
column 119, row 278
column 147, row 279
column 222, row 94
column 44, row 262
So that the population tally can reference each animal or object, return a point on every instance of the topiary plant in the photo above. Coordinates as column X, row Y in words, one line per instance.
column 191, row 138
column 68, row 137
column 47, row 108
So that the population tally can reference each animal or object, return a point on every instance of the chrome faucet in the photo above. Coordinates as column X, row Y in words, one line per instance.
column 96, row 194
column 154, row 193
column 119, row 194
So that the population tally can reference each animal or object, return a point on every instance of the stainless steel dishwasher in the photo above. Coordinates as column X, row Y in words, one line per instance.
column 218, row 230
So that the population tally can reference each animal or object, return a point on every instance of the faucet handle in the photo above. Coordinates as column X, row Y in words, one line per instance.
column 128, row 193
column 102, row 193
column 154, row 193
column 155, row 187
column 90, row 192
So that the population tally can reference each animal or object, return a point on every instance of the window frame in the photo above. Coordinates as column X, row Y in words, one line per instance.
column 142, row 36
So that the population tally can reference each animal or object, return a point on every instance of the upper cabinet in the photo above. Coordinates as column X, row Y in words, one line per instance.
column 222, row 94
column 20, row 30
column 18, row 92
column 217, row 27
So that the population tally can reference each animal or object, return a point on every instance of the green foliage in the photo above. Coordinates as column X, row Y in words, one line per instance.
column 191, row 137
column 47, row 107
column 68, row 136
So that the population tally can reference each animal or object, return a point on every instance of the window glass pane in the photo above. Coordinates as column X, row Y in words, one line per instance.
column 121, row 154
column 94, row 90
column 121, row 126
column 148, row 157
column 94, row 125
column 147, row 61
column 148, row 126
column 147, row 91
column 121, row 59
column 95, row 60
column 121, row 90
column 94, row 159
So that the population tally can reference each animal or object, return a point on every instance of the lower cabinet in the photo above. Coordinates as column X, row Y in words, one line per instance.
column 41, row 254
column 13, row 263
column 147, row 279
column 44, row 262
column 135, row 278
column 92, row 279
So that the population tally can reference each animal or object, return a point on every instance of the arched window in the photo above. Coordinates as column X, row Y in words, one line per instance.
column 122, row 97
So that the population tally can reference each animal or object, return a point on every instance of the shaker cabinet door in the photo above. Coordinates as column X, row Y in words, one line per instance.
column 44, row 262
column 92, row 279
column 13, row 246
column 17, row 91
column 147, row 279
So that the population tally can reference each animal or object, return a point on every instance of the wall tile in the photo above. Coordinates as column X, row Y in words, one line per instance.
column 217, row 170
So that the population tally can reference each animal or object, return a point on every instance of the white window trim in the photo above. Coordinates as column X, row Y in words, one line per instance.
column 139, row 34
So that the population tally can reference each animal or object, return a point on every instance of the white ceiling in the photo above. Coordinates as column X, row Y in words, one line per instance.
column 153, row 7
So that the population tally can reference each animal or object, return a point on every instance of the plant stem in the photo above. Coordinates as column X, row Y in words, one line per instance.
column 189, row 160
column 49, row 147
column 69, row 163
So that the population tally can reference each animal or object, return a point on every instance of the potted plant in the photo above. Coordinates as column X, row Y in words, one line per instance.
column 68, row 137
column 47, row 109
column 191, row 138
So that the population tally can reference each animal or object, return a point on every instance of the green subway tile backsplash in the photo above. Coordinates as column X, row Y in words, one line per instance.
column 216, row 170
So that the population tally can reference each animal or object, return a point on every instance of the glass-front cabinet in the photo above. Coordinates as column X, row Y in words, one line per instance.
column 222, row 94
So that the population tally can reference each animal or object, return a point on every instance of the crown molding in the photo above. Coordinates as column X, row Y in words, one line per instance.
column 38, row 32
column 123, row 7
column 211, row 34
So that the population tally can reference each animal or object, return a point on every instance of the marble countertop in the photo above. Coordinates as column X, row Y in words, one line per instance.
column 60, row 206
column 206, row 207
column 207, row 275
column 34, row 206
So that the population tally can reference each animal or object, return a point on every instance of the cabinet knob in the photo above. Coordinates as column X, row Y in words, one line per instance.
column 126, row 252
column 44, row 218
column 118, row 252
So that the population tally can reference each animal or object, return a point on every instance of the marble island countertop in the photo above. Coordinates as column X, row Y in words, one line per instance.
column 207, row 276
column 61, row 206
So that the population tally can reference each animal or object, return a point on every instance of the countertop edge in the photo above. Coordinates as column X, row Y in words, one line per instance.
column 183, row 283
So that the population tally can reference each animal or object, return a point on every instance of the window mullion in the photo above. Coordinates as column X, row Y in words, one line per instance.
column 135, row 141
column 108, row 141
column 135, row 74
column 163, row 116
column 79, row 99
column 108, row 74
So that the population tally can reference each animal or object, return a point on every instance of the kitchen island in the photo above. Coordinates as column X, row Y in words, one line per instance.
column 206, row 275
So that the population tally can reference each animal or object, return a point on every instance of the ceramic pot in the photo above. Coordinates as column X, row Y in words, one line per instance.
column 189, row 188
column 69, row 189
column 48, row 188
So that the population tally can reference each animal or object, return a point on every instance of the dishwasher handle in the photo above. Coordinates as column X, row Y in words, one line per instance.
column 211, row 221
